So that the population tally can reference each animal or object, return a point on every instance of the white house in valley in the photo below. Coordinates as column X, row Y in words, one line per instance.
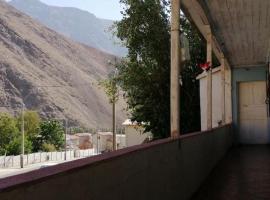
column 135, row 133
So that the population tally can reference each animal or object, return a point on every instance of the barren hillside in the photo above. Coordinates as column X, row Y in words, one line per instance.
column 90, row 30
column 54, row 75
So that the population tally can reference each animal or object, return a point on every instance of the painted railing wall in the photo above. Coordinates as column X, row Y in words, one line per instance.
column 165, row 169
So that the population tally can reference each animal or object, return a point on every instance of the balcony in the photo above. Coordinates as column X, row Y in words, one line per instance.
column 165, row 169
column 243, row 174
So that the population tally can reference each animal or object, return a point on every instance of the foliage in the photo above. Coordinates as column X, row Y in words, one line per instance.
column 110, row 87
column 51, row 132
column 39, row 136
column 8, row 132
column 190, row 101
column 14, row 147
column 31, row 123
column 48, row 147
column 145, row 73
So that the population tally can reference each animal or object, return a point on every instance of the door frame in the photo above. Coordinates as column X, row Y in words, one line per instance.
column 238, row 111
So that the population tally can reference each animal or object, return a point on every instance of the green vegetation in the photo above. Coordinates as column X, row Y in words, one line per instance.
column 110, row 87
column 144, row 75
column 51, row 135
column 39, row 135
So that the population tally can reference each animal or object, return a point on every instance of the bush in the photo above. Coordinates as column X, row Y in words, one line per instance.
column 51, row 132
column 14, row 147
column 48, row 147
column 8, row 132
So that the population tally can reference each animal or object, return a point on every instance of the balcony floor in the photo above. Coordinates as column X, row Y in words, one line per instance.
column 243, row 174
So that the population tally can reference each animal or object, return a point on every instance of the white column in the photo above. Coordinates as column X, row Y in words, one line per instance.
column 175, row 68
column 209, row 79
column 223, row 96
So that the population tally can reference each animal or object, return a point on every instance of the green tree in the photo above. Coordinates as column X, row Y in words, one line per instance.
column 31, row 124
column 14, row 147
column 110, row 87
column 48, row 147
column 112, row 91
column 8, row 132
column 145, row 73
column 190, row 101
column 51, row 133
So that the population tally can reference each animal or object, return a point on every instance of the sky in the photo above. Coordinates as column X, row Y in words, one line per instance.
column 106, row 9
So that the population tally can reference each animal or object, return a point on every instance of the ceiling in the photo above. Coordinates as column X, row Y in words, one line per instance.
column 242, row 28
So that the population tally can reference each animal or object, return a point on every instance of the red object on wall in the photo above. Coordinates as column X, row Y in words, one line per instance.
column 205, row 66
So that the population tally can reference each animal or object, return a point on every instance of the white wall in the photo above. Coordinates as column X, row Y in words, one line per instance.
column 135, row 135
column 42, row 157
column 216, row 98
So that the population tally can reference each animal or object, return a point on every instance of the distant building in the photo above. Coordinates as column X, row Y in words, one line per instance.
column 72, row 142
column 85, row 140
column 103, row 141
column 135, row 133
column 80, row 141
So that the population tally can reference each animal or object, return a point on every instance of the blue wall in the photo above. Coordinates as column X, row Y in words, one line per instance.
column 244, row 75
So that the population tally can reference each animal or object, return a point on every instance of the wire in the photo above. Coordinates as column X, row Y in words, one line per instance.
column 59, row 86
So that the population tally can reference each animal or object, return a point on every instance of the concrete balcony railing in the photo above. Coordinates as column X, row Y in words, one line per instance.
column 165, row 169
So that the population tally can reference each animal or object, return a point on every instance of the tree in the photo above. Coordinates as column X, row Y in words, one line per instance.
column 11, row 138
column 112, row 91
column 190, row 101
column 14, row 147
column 31, row 124
column 145, row 73
column 51, row 134
column 8, row 132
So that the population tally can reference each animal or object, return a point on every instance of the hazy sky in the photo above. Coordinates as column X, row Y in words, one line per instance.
column 107, row 9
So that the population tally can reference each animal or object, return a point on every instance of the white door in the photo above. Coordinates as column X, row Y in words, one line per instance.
column 253, row 123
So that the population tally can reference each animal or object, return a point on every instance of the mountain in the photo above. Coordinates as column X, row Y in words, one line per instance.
column 51, row 73
column 77, row 24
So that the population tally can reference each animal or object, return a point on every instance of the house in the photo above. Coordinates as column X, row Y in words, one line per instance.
column 79, row 141
column 135, row 133
column 103, row 141
column 85, row 140
column 72, row 142
column 239, row 95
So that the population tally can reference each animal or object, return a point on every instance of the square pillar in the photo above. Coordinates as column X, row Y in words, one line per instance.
column 175, row 68
column 223, row 96
column 209, row 79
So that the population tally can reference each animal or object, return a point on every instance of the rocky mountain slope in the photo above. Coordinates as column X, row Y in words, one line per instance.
column 50, row 73
column 79, row 25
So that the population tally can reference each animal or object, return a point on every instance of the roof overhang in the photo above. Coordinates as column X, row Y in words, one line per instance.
column 194, row 11
column 240, row 29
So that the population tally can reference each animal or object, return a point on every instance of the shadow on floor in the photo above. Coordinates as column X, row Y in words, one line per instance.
column 244, row 174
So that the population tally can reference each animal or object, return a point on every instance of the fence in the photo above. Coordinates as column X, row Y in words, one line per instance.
column 40, row 157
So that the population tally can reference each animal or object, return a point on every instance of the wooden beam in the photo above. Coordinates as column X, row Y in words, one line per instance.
column 228, row 94
column 175, row 68
column 194, row 11
column 209, row 79
column 223, row 96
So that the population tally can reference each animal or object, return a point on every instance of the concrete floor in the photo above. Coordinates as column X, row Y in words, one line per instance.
column 244, row 174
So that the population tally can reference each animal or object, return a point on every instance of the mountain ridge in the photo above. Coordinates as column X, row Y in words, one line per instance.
column 90, row 30
column 50, row 73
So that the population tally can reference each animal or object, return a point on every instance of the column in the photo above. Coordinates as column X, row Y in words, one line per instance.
column 209, row 79
column 175, row 68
